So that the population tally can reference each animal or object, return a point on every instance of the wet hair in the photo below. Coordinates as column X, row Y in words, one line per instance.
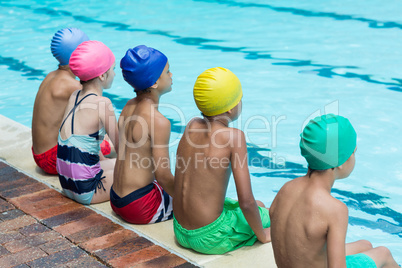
column 64, row 67
column 84, row 82
column 311, row 171
column 139, row 92
column 208, row 116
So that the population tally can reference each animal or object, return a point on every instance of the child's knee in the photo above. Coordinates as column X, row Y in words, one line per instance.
column 259, row 203
column 383, row 251
column 108, row 180
column 108, row 164
column 366, row 244
column 383, row 257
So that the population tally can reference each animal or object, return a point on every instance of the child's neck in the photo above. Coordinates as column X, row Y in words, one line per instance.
column 93, row 87
column 153, row 96
column 323, row 180
column 67, row 69
column 218, row 119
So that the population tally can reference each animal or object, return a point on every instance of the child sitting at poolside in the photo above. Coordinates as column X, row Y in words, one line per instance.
column 204, row 220
column 308, row 224
column 142, row 172
column 83, row 176
column 52, row 98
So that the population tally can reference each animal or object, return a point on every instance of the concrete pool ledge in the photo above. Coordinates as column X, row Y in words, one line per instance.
column 15, row 149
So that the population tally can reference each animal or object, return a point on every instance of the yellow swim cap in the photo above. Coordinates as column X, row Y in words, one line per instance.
column 216, row 91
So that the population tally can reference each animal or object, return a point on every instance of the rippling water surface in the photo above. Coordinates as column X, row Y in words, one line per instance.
column 295, row 59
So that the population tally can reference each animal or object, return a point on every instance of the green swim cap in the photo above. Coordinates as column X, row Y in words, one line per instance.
column 327, row 141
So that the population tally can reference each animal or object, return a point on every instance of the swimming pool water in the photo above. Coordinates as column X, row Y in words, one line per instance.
column 295, row 59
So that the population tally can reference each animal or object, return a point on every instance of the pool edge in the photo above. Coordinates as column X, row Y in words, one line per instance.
column 15, row 149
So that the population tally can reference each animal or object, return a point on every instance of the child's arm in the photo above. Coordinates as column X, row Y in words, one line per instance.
column 108, row 119
column 243, row 186
column 338, row 224
column 160, row 135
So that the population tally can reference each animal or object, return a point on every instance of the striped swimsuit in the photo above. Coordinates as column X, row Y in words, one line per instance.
column 78, row 164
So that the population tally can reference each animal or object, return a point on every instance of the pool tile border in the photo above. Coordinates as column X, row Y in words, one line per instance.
column 15, row 148
column 70, row 238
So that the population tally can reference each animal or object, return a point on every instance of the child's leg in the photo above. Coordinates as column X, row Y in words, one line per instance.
column 266, row 230
column 382, row 257
column 357, row 247
column 104, row 195
column 259, row 203
column 108, row 164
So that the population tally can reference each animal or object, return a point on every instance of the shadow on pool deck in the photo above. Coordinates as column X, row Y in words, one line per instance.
column 32, row 203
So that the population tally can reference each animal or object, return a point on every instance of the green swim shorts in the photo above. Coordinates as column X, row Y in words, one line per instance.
column 359, row 261
column 228, row 232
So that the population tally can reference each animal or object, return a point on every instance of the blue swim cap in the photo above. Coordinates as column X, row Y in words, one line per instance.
column 65, row 41
column 142, row 66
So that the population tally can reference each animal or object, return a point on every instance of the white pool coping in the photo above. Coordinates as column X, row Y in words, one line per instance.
column 15, row 149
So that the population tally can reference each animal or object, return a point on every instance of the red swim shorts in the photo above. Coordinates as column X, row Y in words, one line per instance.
column 149, row 204
column 105, row 147
column 47, row 160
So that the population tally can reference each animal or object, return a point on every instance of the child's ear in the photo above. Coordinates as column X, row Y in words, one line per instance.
column 154, row 85
column 339, row 167
column 102, row 77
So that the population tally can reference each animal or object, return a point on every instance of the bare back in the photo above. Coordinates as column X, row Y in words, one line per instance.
column 87, row 116
column 50, row 104
column 136, row 165
column 301, row 217
column 202, row 173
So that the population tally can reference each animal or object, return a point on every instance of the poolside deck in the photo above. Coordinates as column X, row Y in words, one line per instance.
column 36, row 202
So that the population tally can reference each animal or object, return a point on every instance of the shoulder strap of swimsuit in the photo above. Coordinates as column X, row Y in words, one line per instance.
column 75, row 106
column 72, row 111
column 76, row 98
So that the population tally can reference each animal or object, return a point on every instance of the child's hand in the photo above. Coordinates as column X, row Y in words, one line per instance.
column 267, row 239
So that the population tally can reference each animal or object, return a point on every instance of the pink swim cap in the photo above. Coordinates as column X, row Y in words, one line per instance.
column 91, row 59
